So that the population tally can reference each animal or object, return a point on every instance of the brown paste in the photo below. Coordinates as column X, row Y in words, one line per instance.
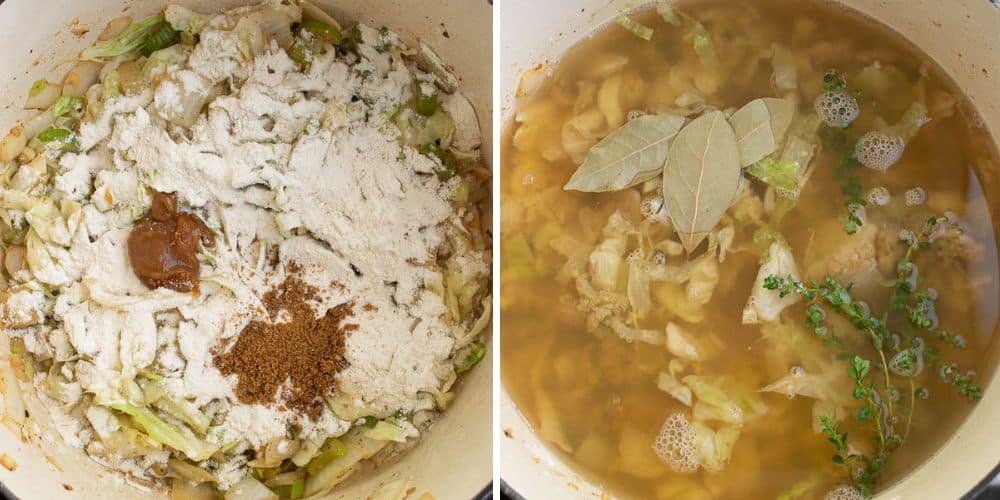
column 163, row 245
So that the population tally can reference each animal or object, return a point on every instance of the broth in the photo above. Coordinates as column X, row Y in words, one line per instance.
column 594, row 397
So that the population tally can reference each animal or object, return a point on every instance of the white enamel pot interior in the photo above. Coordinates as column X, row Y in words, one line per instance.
column 454, row 459
column 960, row 35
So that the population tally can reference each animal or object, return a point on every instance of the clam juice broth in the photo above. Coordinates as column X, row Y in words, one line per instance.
column 669, row 326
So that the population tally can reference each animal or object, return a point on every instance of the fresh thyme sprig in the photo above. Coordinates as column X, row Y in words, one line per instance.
column 963, row 382
column 878, row 401
column 840, row 143
column 920, row 307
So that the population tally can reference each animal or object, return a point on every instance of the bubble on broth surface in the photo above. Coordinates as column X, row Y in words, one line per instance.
column 653, row 209
column 659, row 258
column 915, row 196
column 845, row 492
column 878, row 151
column 675, row 445
column 879, row 196
column 837, row 109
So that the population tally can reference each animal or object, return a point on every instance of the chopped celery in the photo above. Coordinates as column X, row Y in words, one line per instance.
column 471, row 359
column 637, row 29
column 129, row 40
column 322, row 30
column 186, row 412
column 175, row 437
column 298, row 487
column 332, row 450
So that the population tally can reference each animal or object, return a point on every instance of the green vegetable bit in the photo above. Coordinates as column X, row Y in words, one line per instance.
column 298, row 487
column 133, row 38
column 472, row 359
column 331, row 450
column 68, row 105
column 637, row 29
column 37, row 87
column 162, row 38
column 56, row 138
column 299, row 53
column 427, row 105
column 322, row 30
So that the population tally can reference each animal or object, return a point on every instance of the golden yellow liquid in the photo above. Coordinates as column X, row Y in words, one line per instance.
column 599, row 392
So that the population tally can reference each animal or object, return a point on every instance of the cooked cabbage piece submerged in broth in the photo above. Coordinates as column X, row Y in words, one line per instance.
column 747, row 252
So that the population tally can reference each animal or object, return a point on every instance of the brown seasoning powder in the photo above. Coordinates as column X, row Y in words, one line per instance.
column 304, row 350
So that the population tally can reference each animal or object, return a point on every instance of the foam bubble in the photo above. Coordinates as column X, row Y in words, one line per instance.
column 635, row 113
column 879, row 151
column 836, row 109
column 845, row 492
column 906, row 236
column 659, row 258
column 675, row 446
column 915, row 196
column 879, row 196
column 653, row 209
column 634, row 255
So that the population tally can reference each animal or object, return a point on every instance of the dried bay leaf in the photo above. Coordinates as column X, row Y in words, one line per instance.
column 701, row 176
column 760, row 127
column 631, row 155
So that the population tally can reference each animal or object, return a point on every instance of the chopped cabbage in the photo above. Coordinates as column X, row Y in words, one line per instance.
column 766, row 305
column 178, row 438
column 184, row 19
column 607, row 258
column 385, row 431
column 704, row 278
column 359, row 447
column 780, row 174
column 670, row 385
column 786, row 76
column 680, row 343
column 714, row 447
column 629, row 334
column 636, row 28
column 913, row 118
column 129, row 40
column 800, row 383
column 249, row 488
column 637, row 289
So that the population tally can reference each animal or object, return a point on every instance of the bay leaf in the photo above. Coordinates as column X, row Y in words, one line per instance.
column 631, row 155
column 701, row 176
column 760, row 127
